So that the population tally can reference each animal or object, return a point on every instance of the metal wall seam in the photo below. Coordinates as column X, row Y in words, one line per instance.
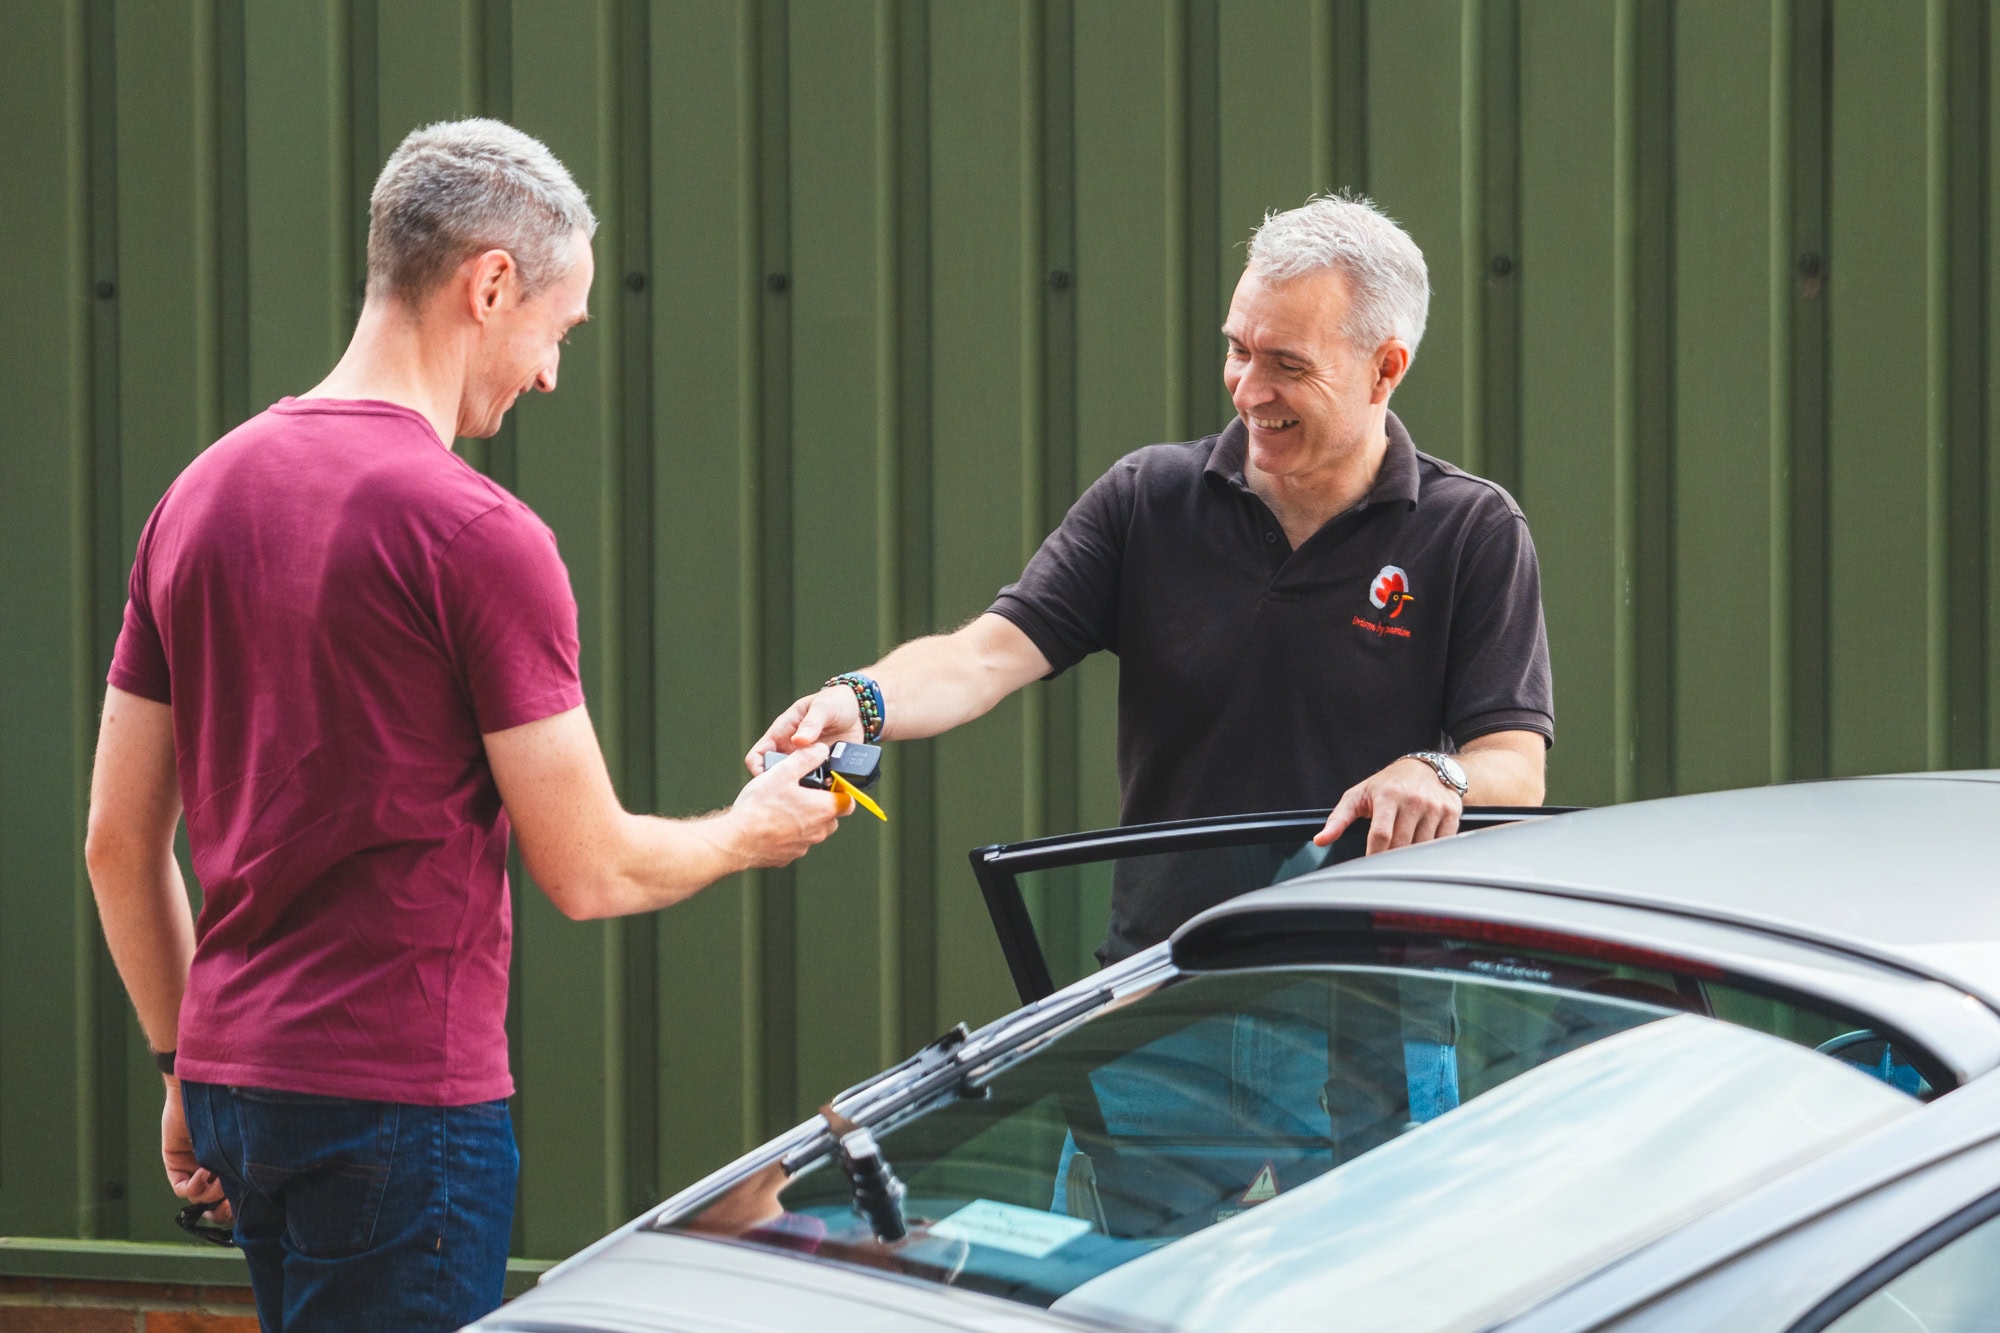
column 80, row 118
column 1625, row 396
column 1804, row 269
column 636, row 1057
column 1201, row 234
column 1031, row 289
column 365, row 151
column 1780, row 385
column 1493, row 256
column 1988, row 293
column 1340, row 95
column 776, row 888
column 1052, row 279
column 915, row 528
column 1938, row 166
column 1652, row 374
column 499, row 456
column 750, row 557
column 1961, row 283
column 101, row 1008
column 890, row 17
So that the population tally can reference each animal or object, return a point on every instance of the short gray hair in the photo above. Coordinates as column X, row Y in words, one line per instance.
column 1388, row 286
column 459, row 187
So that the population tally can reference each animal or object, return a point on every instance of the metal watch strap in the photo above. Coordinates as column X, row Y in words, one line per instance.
column 1442, row 766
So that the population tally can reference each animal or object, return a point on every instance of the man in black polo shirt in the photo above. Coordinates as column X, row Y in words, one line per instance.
column 1306, row 610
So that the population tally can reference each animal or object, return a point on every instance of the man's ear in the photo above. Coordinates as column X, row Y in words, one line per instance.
column 495, row 280
column 1392, row 362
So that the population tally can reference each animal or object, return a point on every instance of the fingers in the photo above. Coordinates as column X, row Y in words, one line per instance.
column 1405, row 818
column 1353, row 804
column 777, row 738
column 797, row 764
column 201, row 1187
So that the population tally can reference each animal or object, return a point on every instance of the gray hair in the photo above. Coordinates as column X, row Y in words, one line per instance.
column 1388, row 287
column 459, row 187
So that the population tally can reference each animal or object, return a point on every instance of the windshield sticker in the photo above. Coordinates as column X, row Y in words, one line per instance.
column 1262, row 1190
column 1005, row 1226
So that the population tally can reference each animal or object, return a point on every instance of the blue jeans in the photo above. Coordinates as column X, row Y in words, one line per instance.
column 359, row 1214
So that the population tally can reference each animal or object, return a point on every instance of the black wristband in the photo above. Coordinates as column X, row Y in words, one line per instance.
column 163, row 1061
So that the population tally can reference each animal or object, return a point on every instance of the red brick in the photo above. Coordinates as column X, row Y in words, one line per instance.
column 20, row 1286
column 227, row 1296
column 131, row 1294
column 20, row 1319
column 191, row 1321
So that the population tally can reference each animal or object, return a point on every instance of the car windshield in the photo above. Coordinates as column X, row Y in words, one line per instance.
column 1114, row 1159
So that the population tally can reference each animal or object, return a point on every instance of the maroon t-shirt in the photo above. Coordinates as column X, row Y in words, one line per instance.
column 336, row 606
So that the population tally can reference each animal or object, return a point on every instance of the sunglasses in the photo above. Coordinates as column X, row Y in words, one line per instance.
column 193, row 1219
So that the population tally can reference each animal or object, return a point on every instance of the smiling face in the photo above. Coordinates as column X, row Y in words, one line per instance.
column 520, row 342
column 1312, row 403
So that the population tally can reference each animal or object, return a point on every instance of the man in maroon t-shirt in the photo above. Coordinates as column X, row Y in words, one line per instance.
column 352, row 660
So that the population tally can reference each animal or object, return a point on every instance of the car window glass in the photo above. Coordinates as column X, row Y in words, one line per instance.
column 1070, row 906
column 1954, row 1290
column 1174, row 1112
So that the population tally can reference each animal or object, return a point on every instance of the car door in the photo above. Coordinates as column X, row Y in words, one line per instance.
column 1050, row 898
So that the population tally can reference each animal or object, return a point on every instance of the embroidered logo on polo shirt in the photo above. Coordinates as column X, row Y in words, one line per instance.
column 1390, row 591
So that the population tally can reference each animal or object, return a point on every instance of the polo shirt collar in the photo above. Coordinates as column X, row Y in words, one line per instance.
column 1397, row 479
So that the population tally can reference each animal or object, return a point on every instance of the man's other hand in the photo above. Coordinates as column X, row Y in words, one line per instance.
column 777, row 820
column 833, row 714
column 1405, row 803
column 186, row 1177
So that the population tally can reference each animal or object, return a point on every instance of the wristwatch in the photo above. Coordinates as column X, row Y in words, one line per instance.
column 1450, row 772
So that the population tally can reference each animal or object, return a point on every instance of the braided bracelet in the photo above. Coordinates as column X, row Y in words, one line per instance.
column 868, row 698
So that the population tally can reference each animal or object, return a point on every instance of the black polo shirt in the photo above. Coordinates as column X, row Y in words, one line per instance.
column 1256, row 677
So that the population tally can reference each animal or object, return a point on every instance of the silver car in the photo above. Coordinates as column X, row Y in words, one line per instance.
column 1714, row 1062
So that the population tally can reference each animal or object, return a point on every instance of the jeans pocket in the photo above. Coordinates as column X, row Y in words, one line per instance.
column 329, row 1161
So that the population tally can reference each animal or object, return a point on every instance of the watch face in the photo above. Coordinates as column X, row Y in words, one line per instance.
column 1455, row 770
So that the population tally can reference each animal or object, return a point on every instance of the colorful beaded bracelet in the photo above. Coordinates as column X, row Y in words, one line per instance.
column 868, row 698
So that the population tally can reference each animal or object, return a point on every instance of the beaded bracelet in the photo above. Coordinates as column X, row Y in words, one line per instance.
column 868, row 698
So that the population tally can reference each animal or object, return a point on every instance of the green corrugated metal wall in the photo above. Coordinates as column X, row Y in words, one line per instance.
column 882, row 285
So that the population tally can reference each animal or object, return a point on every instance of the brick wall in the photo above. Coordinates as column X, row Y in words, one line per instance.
column 72, row 1305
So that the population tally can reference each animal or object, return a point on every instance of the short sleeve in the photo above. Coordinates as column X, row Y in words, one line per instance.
column 139, row 660
column 509, row 619
column 1497, row 678
column 1066, row 600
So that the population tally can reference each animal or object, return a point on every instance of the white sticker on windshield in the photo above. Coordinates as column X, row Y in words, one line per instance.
column 1004, row 1226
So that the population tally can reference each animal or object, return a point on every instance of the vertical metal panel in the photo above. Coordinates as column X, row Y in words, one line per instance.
column 1422, row 169
column 48, row 932
column 1723, row 330
column 706, row 287
column 167, row 326
column 986, row 406
column 1878, row 444
column 883, row 284
column 1570, row 463
column 842, row 300
column 567, row 469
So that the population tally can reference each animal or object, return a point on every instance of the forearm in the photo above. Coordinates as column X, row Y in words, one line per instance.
column 657, row 862
column 143, row 905
column 933, row 684
column 1503, row 774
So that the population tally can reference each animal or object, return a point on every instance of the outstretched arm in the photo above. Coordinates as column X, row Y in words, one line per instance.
column 929, row 685
column 595, row 859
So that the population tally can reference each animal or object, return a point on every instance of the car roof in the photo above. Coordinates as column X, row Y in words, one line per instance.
column 1904, row 869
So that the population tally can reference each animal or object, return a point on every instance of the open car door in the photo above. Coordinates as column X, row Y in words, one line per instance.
column 1050, row 898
